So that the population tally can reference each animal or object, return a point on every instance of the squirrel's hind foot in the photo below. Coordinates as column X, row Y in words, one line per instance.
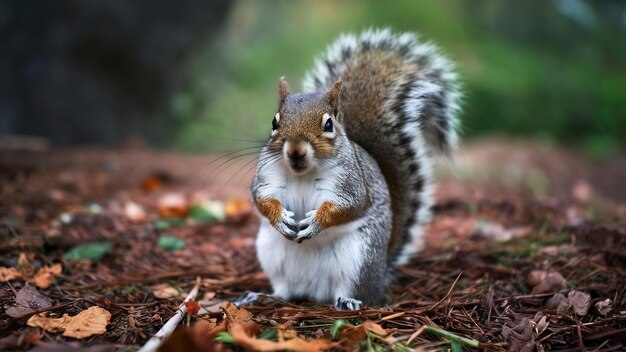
column 348, row 304
column 248, row 298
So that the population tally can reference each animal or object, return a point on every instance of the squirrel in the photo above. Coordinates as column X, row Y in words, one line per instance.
column 344, row 183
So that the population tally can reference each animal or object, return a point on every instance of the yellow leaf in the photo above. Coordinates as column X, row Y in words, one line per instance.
column 45, row 275
column 92, row 321
column 49, row 324
column 7, row 274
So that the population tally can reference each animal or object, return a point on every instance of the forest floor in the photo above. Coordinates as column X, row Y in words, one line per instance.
column 99, row 247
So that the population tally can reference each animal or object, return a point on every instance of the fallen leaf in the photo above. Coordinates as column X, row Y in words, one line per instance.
column 7, row 274
column 151, row 183
column 237, row 315
column 134, row 212
column 92, row 321
column 351, row 335
column 209, row 295
column 296, row 344
column 49, row 324
column 375, row 328
column 165, row 291
column 27, row 300
column 170, row 243
column 89, row 251
column 559, row 303
column 169, row 223
column 192, row 307
column 208, row 210
column 196, row 339
column 544, row 281
column 604, row 307
column 237, row 207
column 580, row 301
column 172, row 205
column 45, row 275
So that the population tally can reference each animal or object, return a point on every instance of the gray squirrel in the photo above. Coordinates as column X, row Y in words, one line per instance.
column 344, row 183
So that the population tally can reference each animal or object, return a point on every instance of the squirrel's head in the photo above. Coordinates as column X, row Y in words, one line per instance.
column 305, row 130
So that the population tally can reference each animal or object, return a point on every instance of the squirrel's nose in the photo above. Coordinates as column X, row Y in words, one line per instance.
column 296, row 153
column 295, row 150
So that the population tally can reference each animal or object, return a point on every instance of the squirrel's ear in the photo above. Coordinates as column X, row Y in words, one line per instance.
column 333, row 96
column 283, row 91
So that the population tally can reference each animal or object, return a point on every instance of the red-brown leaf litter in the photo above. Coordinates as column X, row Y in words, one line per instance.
column 505, row 268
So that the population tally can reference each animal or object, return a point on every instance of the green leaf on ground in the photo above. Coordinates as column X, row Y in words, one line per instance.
column 224, row 337
column 165, row 224
column 201, row 213
column 170, row 243
column 89, row 251
column 336, row 327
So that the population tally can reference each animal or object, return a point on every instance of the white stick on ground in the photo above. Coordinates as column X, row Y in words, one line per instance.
column 171, row 324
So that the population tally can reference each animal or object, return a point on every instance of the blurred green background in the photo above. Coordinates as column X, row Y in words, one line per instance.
column 201, row 76
column 552, row 70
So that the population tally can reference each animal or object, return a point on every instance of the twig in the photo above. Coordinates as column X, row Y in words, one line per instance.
column 171, row 324
column 447, row 294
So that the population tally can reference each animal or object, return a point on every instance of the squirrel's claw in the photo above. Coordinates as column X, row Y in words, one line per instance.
column 309, row 227
column 287, row 225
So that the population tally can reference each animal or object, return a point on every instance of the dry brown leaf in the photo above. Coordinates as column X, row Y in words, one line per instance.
column 7, row 274
column 237, row 207
column 165, row 291
column 604, row 307
column 151, row 184
column 173, row 205
column 42, row 279
column 237, row 315
column 559, row 303
column 351, row 335
column 92, row 321
column 375, row 328
column 544, row 281
column 195, row 339
column 27, row 300
column 241, row 337
column 49, row 324
column 45, row 275
column 580, row 301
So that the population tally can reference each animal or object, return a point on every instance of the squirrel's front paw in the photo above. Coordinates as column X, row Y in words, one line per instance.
column 287, row 225
column 309, row 227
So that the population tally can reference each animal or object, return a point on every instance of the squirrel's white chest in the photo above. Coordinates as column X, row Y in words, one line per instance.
column 323, row 268
column 302, row 194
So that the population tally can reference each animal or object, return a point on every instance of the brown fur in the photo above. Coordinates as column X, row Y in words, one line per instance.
column 271, row 208
column 329, row 214
column 361, row 109
column 301, row 120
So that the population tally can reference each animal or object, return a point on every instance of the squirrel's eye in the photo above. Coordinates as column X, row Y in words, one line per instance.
column 328, row 126
column 274, row 124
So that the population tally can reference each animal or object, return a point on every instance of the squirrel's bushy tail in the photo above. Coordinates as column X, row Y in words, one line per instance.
column 399, row 101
